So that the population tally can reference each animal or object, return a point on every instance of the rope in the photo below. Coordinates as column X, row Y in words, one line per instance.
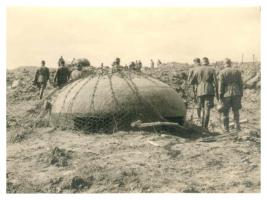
column 76, row 94
column 92, row 104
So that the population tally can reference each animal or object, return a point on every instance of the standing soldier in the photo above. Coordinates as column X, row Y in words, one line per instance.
column 116, row 66
column 197, row 64
column 61, row 61
column 140, row 65
column 230, row 93
column 152, row 64
column 41, row 78
column 205, row 79
column 132, row 65
column 62, row 76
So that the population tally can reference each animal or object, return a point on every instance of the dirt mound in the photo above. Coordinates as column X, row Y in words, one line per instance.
column 251, row 73
column 175, row 75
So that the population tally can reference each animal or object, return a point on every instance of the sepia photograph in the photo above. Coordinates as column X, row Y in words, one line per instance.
column 133, row 99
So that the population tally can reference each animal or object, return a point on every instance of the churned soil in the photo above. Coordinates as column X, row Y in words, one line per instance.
column 43, row 159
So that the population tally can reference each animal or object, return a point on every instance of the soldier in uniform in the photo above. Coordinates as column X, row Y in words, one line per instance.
column 62, row 76
column 197, row 63
column 132, row 65
column 41, row 78
column 204, row 77
column 116, row 65
column 61, row 61
column 230, row 93
column 139, row 66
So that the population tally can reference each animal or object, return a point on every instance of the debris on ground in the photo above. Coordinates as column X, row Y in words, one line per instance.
column 48, row 160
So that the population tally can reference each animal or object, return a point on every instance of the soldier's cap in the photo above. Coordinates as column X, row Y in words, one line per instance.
column 227, row 61
column 205, row 58
column 117, row 59
column 196, row 60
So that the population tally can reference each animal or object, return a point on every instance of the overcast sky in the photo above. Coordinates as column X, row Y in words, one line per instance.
column 101, row 34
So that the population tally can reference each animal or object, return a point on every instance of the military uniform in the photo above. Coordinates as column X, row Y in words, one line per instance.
column 231, row 92
column 62, row 76
column 204, row 77
column 61, row 61
column 41, row 78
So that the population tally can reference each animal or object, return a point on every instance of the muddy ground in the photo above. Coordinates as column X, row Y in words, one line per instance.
column 47, row 160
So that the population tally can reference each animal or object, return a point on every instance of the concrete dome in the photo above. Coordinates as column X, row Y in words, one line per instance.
column 116, row 100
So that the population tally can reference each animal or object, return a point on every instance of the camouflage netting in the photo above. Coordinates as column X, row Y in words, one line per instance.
column 109, row 102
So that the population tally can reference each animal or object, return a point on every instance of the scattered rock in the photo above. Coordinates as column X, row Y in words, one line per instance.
column 79, row 183
column 59, row 157
column 15, row 83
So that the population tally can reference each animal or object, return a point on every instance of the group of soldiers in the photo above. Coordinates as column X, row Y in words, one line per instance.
column 62, row 76
column 227, row 87
column 134, row 65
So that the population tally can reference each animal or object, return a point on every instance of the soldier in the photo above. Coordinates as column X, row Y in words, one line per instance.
column 41, row 78
column 206, row 81
column 61, row 61
column 230, row 93
column 62, row 76
column 152, row 64
column 132, row 65
column 116, row 65
column 139, row 66
column 197, row 63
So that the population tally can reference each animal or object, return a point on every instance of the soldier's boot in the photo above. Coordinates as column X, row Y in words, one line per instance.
column 226, row 120
column 41, row 93
column 226, row 124
column 236, row 120
column 207, row 118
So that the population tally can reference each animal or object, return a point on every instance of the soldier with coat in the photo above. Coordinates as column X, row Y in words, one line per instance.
column 204, row 77
column 61, row 61
column 62, row 76
column 230, row 93
column 41, row 78
column 197, row 63
column 116, row 66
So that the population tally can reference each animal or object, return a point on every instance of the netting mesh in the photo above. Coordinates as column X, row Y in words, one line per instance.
column 109, row 102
